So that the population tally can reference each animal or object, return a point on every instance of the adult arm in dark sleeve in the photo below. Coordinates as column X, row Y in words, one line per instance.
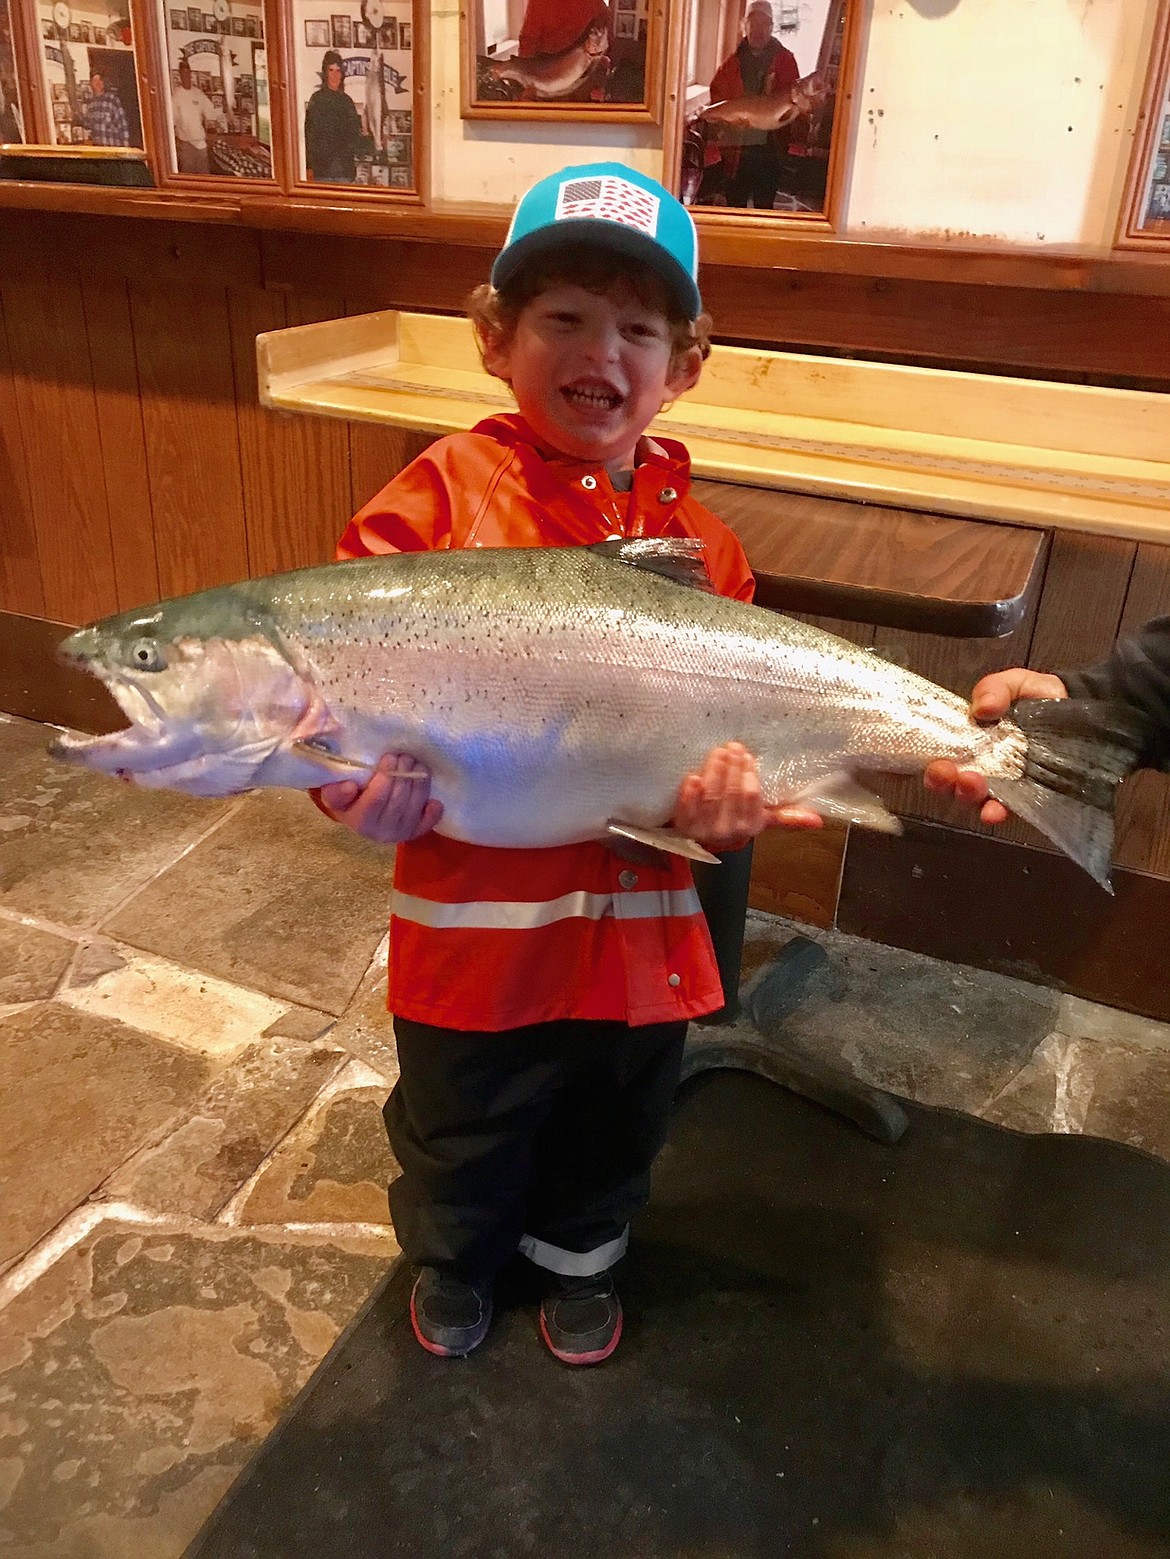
column 1137, row 673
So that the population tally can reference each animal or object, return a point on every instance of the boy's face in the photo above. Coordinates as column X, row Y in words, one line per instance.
column 591, row 371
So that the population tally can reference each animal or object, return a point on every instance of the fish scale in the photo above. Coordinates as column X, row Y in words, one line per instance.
column 555, row 694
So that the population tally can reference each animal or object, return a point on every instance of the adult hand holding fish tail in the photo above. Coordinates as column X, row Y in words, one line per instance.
column 1135, row 680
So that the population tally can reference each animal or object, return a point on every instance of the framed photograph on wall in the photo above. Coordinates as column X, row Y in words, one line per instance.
column 762, row 122
column 90, row 74
column 210, row 120
column 351, row 107
column 11, row 113
column 563, row 59
column 1146, row 216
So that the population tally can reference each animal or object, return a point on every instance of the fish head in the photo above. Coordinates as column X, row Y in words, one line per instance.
column 207, row 689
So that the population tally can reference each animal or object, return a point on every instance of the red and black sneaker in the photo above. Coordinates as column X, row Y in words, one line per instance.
column 581, row 1318
column 449, row 1318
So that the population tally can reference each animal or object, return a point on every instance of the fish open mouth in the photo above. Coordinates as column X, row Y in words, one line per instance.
column 142, row 745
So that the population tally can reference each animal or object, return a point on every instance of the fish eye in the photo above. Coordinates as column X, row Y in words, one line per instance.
column 145, row 655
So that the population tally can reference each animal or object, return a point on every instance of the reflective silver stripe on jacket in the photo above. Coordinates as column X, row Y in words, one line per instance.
column 513, row 915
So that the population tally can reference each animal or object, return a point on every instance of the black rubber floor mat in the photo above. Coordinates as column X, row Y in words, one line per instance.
column 951, row 1349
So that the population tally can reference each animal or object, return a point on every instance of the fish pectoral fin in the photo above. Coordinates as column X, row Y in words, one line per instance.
column 668, row 839
column 335, row 764
column 839, row 797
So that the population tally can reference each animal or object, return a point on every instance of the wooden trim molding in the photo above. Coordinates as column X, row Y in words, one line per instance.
column 893, row 256
column 35, row 686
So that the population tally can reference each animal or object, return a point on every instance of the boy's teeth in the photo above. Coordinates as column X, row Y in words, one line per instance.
column 593, row 397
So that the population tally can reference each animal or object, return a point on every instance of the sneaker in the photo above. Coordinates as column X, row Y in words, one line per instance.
column 449, row 1318
column 581, row 1318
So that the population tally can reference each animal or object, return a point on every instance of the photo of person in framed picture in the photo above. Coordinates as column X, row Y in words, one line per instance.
column 566, row 52
column 759, row 132
column 333, row 127
column 11, row 127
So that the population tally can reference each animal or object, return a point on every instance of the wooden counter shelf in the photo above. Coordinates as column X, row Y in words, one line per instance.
column 881, row 562
column 1027, row 451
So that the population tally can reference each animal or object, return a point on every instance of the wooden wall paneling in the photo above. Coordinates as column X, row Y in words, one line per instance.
column 184, row 346
column 1025, row 913
column 123, row 440
column 377, row 453
column 295, row 469
column 182, row 255
column 376, row 273
column 62, row 444
column 857, row 633
column 20, row 569
column 797, row 872
column 940, row 321
column 1082, row 601
column 1143, row 808
column 26, row 25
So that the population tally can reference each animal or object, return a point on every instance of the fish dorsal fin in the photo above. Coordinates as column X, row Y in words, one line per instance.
column 679, row 558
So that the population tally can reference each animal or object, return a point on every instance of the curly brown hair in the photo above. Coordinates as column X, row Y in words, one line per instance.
column 495, row 314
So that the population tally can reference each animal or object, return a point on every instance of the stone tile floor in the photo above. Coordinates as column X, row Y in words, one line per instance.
column 194, row 1051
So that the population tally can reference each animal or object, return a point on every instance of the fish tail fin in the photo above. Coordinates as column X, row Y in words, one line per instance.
column 1079, row 751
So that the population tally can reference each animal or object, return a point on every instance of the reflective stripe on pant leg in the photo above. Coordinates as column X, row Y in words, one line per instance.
column 573, row 1263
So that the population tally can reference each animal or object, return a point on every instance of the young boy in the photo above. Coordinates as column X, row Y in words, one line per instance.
column 541, row 997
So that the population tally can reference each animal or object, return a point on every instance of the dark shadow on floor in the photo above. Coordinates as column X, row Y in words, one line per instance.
column 953, row 1349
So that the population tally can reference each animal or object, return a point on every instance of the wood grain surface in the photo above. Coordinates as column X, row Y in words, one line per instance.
column 184, row 351
column 295, row 470
column 893, row 567
column 56, row 408
column 118, row 398
column 20, row 568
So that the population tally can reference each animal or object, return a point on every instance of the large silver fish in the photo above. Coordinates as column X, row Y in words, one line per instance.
column 552, row 75
column 768, row 110
column 556, row 694
column 227, row 67
column 376, row 97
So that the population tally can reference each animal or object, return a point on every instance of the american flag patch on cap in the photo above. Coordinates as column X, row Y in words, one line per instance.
column 610, row 199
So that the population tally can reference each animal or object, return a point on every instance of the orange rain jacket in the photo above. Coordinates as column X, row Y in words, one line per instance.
column 492, row 939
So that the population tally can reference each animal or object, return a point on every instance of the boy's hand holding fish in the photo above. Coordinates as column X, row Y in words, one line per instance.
column 722, row 807
column 393, row 806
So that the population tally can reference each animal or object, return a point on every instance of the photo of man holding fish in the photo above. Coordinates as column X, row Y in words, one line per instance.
column 560, row 59
column 760, row 98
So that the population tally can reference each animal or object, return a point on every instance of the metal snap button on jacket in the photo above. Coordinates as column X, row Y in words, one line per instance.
column 588, row 483
column 628, row 879
column 674, row 979
column 667, row 495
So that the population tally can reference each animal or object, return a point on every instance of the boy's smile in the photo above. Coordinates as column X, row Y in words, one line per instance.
column 591, row 371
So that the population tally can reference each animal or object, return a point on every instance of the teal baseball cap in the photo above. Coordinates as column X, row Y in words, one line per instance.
column 617, row 207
